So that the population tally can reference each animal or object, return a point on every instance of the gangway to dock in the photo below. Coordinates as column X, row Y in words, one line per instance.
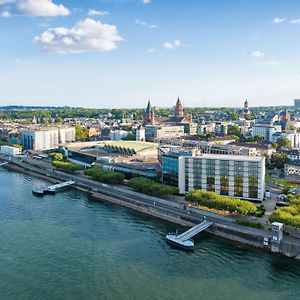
column 3, row 164
column 52, row 188
column 183, row 240
column 55, row 187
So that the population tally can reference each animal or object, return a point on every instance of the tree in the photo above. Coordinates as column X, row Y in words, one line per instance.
column 292, row 127
column 58, row 157
column 59, row 119
column 258, row 138
column 234, row 130
column 81, row 133
column 129, row 137
column 284, row 143
column 278, row 160
column 233, row 115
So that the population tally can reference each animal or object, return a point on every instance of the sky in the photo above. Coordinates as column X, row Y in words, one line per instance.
column 120, row 53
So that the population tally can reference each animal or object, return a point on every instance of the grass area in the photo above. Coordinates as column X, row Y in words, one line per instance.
column 249, row 224
column 286, row 183
column 269, row 179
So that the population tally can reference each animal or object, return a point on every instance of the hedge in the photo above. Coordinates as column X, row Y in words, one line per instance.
column 249, row 224
column 150, row 187
column 213, row 200
column 105, row 176
column 288, row 215
column 67, row 166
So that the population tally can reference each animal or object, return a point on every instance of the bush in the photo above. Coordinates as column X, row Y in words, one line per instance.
column 288, row 215
column 260, row 211
column 67, row 166
column 249, row 224
column 213, row 200
column 56, row 156
column 147, row 186
column 105, row 176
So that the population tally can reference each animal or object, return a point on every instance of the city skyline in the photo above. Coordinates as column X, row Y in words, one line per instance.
column 120, row 53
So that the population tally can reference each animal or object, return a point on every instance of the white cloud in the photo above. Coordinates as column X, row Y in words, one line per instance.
column 172, row 45
column 145, row 24
column 146, row 1
column 295, row 21
column 86, row 35
column 34, row 8
column 150, row 50
column 278, row 20
column 93, row 12
column 257, row 54
column 19, row 61
column 273, row 63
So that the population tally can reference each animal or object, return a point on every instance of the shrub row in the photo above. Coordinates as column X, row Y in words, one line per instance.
column 67, row 166
column 213, row 200
column 105, row 176
column 289, row 215
column 150, row 187
column 249, row 224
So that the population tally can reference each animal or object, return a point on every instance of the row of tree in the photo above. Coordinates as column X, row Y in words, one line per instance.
column 106, row 176
column 215, row 201
column 150, row 187
column 67, row 166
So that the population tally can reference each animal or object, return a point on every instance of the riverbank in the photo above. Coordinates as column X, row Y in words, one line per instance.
column 167, row 210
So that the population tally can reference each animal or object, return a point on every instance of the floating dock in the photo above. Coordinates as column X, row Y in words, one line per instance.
column 184, row 240
column 52, row 188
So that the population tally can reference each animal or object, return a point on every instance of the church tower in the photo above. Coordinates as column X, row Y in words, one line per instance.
column 149, row 117
column 178, row 108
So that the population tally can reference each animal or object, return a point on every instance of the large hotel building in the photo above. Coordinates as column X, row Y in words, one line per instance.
column 228, row 175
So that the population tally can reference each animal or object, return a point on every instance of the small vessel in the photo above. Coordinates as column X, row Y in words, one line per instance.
column 38, row 192
column 173, row 240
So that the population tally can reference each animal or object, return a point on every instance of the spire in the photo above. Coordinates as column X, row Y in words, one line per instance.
column 178, row 108
column 149, row 107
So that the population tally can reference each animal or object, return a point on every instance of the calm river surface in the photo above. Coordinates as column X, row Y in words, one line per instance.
column 68, row 247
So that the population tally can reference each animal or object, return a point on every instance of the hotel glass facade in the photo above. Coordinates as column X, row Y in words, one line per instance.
column 234, row 176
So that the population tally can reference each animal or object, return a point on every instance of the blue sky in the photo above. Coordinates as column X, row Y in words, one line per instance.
column 120, row 53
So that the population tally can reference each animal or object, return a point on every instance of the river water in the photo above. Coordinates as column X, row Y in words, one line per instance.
column 69, row 247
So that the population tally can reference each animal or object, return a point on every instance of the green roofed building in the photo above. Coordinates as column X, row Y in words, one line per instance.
column 130, row 147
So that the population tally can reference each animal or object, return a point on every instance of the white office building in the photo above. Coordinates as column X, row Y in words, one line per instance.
column 47, row 138
column 228, row 175
column 10, row 151
column 267, row 131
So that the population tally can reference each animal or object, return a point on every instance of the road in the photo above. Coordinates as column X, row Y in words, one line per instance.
column 172, row 208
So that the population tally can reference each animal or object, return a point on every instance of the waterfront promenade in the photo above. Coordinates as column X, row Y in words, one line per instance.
column 173, row 211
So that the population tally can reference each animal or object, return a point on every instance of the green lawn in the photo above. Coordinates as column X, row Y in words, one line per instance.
column 287, row 184
column 269, row 179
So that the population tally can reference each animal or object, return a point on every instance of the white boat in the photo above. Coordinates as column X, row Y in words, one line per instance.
column 173, row 240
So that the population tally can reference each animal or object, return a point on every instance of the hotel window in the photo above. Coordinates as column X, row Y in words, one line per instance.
column 210, row 167
column 253, row 186
column 224, row 168
column 238, row 168
column 211, row 183
column 253, row 169
column 224, row 182
column 238, row 186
